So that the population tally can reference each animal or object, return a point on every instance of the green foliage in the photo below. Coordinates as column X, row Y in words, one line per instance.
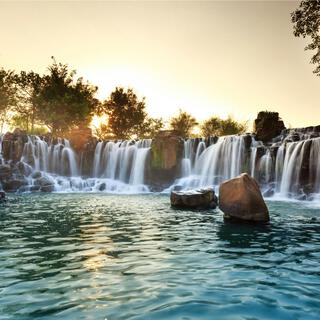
column 7, row 95
column 306, row 22
column 219, row 127
column 126, row 114
column 64, row 102
column 28, row 86
column 149, row 128
column 183, row 124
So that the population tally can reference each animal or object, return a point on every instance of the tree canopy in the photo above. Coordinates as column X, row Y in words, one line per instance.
column 220, row 127
column 183, row 124
column 7, row 94
column 306, row 22
column 64, row 102
column 127, row 116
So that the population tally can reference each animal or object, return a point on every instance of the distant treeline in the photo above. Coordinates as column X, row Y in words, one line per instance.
column 58, row 102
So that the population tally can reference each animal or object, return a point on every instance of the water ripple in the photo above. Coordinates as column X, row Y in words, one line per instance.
column 97, row 256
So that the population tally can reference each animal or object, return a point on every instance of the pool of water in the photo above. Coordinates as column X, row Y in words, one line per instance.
column 98, row 256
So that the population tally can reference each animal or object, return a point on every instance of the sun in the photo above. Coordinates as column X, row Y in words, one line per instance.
column 97, row 121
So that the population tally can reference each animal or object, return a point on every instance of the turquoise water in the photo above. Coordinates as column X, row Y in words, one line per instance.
column 93, row 256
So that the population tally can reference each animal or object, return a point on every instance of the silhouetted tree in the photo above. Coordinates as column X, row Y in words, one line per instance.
column 219, row 127
column 183, row 124
column 149, row 128
column 211, row 127
column 306, row 20
column 8, row 96
column 126, row 113
column 64, row 102
column 28, row 86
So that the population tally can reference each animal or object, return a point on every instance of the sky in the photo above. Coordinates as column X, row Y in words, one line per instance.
column 205, row 57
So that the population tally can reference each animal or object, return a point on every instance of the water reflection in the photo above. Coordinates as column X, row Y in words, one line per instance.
column 120, row 257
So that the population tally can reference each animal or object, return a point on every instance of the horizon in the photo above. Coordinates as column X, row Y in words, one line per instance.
column 177, row 55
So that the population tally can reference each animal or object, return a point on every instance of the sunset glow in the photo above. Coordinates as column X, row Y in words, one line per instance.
column 176, row 54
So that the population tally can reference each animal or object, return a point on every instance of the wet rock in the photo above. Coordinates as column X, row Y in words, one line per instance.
column 194, row 199
column 13, row 144
column 102, row 187
column 45, row 183
column 13, row 185
column 2, row 196
column 47, row 188
column 24, row 169
column 268, row 193
column 5, row 171
column 240, row 199
column 36, row 175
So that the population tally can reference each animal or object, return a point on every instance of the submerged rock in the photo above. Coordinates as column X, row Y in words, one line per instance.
column 194, row 199
column 240, row 198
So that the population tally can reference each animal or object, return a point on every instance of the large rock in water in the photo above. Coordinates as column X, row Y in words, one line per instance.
column 194, row 199
column 240, row 198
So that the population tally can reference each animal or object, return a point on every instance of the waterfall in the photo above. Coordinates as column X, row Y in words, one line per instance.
column 123, row 160
column 57, row 158
column 265, row 167
column 117, row 166
column 286, row 168
column 208, row 166
column 293, row 179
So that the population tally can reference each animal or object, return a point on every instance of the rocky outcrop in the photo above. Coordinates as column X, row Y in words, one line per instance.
column 165, row 159
column 240, row 199
column 87, row 156
column 268, row 125
column 13, row 144
column 194, row 199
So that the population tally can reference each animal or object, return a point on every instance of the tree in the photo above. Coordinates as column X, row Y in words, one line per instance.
column 7, row 95
column 63, row 102
column 231, row 126
column 28, row 86
column 219, row 127
column 126, row 113
column 183, row 123
column 306, row 20
column 150, row 128
column 211, row 127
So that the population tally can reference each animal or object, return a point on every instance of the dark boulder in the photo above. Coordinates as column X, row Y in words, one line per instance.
column 268, row 125
column 5, row 171
column 14, row 185
column 240, row 199
column 194, row 199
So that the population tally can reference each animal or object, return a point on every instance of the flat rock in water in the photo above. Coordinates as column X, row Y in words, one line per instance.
column 240, row 199
column 194, row 199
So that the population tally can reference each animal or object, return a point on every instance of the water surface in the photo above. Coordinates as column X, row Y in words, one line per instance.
column 100, row 256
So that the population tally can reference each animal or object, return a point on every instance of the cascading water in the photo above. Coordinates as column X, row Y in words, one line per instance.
column 208, row 166
column 117, row 166
column 301, row 169
column 287, row 167
column 121, row 162
column 283, row 169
